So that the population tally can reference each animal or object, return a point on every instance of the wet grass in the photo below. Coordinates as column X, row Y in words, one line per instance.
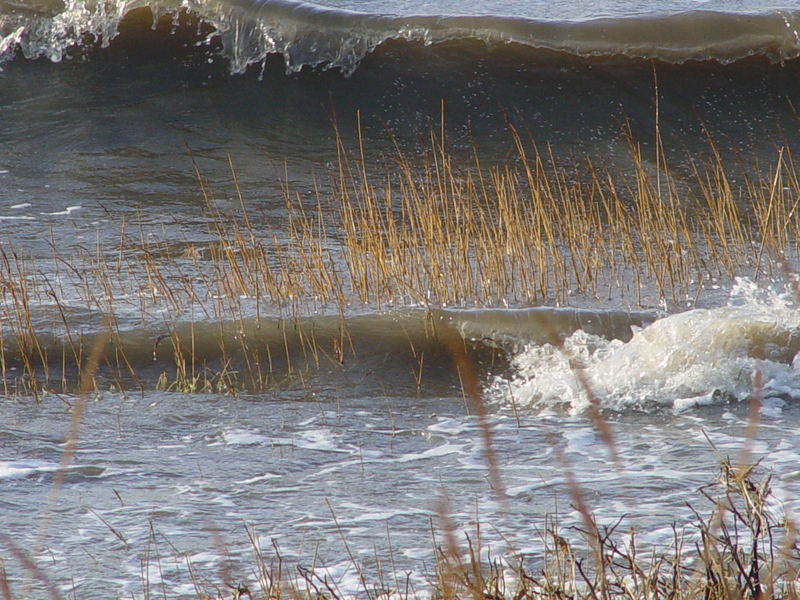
column 426, row 230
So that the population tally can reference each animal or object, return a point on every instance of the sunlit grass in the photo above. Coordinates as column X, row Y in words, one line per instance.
column 426, row 230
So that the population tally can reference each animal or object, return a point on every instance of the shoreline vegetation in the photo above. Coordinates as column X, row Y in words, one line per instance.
column 427, row 232
column 738, row 545
column 432, row 233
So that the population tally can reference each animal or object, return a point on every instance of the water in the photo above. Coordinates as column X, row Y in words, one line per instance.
column 166, row 471
column 349, row 426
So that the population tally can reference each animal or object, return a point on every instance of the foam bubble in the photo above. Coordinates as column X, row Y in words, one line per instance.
column 68, row 210
column 242, row 437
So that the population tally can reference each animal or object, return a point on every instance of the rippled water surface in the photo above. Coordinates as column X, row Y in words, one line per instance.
column 133, row 139
column 181, row 479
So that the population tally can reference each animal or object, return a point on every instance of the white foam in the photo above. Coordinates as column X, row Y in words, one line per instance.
column 318, row 439
column 436, row 451
column 367, row 514
column 7, row 45
column 344, row 577
column 451, row 426
column 243, row 437
column 258, row 478
column 16, row 469
column 690, row 359
column 66, row 211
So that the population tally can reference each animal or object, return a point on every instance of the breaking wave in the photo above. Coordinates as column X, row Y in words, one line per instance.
column 632, row 360
column 253, row 352
column 304, row 34
column 698, row 357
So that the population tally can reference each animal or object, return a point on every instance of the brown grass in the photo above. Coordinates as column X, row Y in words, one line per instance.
column 430, row 230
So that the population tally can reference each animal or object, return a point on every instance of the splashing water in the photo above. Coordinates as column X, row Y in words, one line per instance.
column 701, row 356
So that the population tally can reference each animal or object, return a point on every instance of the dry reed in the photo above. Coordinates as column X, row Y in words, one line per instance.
column 426, row 231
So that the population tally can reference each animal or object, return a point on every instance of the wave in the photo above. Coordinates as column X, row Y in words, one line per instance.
column 253, row 353
column 306, row 35
column 633, row 360
column 695, row 358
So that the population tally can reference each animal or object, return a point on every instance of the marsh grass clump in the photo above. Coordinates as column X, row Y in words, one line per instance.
column 428, row 229
column 534, row 231
column 741, row 548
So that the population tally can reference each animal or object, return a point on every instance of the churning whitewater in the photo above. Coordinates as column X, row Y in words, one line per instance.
column 694, row 358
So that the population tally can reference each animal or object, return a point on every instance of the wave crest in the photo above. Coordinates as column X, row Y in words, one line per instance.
column 698, row 357
column 308, row 35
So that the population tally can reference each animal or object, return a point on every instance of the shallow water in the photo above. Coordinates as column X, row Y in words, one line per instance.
column 350, row 445
column 311, row 472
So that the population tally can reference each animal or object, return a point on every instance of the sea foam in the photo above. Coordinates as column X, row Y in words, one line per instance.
column 698, row 357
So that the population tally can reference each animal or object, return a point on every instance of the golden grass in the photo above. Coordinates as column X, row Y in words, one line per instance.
column 435, row 232
column 428, row 230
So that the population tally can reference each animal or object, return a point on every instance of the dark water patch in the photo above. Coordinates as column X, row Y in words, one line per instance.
column 162, row 90
column 118, row 130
